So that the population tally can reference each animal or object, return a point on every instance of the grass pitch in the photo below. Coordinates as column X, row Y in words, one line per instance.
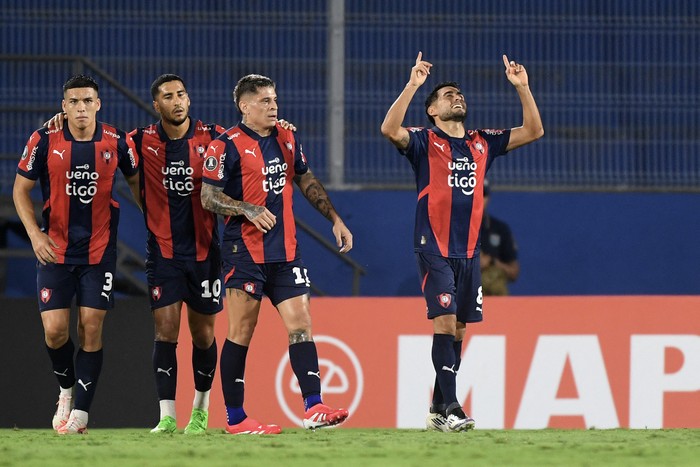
column 353, row 447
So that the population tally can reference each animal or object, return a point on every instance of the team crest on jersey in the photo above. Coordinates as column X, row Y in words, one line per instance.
column 45, row 295
column 249, row 287
column 106, row 156
column 25, row 152
column 210, row 163
column 444, row 299
column 156, row 293
column 479, row 147
column 288, row 145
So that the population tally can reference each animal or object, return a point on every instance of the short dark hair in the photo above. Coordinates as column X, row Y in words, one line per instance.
column 250, row 84
column 81, row 81
column 432, row 97
column 166, row 78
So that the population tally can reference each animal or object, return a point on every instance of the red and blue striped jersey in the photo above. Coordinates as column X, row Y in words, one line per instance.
column 77, row 178
column 258, row 170
column 171, row 183
column 449, row 179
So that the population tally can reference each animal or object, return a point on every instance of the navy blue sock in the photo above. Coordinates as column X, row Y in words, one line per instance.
column 232, row 366
column 444, row 363
column 458, row 354
column 62, row 363
column 88, row 366
column 235, row 415
column 165, row 369
column 203, row 366
column 304, row 360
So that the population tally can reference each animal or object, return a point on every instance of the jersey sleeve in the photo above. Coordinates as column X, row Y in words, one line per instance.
column 417, row 144
column 497, row 140
column 128, row 157
column 301, row 165
column 34, row 156
column 218, row 162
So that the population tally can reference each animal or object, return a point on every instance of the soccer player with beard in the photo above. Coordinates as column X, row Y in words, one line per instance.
column 183, row 261
column 76, row 245
column 247, row 176
column 450, row 163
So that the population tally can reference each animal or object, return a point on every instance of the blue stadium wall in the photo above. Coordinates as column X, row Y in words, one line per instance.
column 570, row 243
column 610, row 76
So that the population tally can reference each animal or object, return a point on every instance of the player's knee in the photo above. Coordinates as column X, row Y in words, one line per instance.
column 167, row 332
column 56, row 337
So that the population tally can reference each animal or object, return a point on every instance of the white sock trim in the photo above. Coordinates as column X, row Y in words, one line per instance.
column 201, row 400
column 167, row 408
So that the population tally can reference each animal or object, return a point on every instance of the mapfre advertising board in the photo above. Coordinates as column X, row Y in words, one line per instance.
column 535, row 362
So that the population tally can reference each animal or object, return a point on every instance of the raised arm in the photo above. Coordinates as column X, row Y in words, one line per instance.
column 392, row 128
column 531, row 128
column 314, row 191
column 41, row 243
column 215, row 200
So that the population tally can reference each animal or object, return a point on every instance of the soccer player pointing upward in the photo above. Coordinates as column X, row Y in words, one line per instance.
column 247, row 176
column 450, row 163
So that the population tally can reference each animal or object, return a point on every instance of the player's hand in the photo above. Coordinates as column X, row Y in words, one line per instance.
column 43, row 248
column 343, row 237
column 261, row 217
column 420, row 71
column 56, row 121
column 515, row 72
column 287, row 125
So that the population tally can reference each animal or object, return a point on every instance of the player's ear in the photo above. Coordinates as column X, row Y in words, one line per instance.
column 99, row 105
column 156, row 107
column 63, row 105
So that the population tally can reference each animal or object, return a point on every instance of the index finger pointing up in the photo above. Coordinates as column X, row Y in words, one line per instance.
column 419, row 57
column 505, row 61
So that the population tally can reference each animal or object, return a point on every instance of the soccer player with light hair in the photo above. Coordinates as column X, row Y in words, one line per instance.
column 450, row 163
column 247, row 176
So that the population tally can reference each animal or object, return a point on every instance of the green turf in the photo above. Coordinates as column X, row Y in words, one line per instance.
column 353, row 447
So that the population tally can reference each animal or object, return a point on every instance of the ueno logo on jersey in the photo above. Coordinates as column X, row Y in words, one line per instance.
column 178, row 178
column 342, row 379
column 463, row 175
column 278, row 180
column 82, row 182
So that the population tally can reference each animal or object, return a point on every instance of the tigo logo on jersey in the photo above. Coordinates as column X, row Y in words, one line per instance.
column 464, row 175
column 342, row 379
column 77, row 185
column 45, row 295
column 156, row 293
column 444, row 299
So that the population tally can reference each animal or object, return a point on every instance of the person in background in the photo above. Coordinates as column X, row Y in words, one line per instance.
column 499, row 252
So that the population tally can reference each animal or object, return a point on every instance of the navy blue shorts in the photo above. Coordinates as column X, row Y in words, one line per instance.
column 197, row 283
column 451, row 286
column 91, row 284
column 278, row 281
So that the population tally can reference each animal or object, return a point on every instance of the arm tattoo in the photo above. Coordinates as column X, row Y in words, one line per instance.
column 299, row 336
column 214, row 199
column 314, row 191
